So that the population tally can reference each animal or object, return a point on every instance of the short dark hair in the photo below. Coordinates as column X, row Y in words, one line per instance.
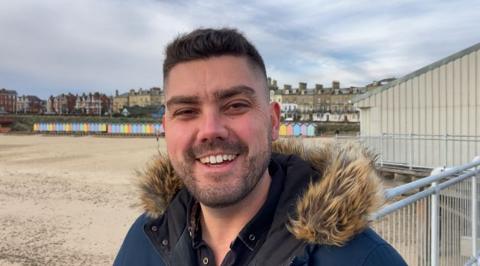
column 206, row 43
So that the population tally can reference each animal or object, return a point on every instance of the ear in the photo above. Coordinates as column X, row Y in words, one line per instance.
column 275, row 117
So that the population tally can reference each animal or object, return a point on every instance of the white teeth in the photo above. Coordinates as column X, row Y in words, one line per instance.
column 215, row 159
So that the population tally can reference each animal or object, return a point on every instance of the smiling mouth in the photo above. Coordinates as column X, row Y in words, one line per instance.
column 217, row 159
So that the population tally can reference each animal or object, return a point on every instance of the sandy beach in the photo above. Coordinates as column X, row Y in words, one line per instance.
column 67, row 200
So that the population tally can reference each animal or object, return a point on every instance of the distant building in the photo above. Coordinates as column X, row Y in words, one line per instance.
column 62, row 104
column 30, row 104
column 86, row 104
column 316, row 104
column 120, row 102
column 93, row 104
column 8, row 101
column 143, row 98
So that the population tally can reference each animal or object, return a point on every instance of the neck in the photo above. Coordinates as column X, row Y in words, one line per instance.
column 220, row 226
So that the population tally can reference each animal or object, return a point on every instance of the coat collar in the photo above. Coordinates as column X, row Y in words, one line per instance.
column 328, row 209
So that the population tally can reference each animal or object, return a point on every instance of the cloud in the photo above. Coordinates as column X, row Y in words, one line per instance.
column 55, row 46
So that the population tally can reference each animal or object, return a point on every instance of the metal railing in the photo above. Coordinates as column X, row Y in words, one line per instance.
column 415, row 151
column 434, row 220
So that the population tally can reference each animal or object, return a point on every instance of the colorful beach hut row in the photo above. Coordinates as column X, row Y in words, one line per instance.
column 97, row 128
column 297, row 129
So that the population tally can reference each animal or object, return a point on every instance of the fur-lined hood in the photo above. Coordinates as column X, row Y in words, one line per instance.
column 330, row 211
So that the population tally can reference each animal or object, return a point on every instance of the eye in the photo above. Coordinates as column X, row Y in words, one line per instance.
column 185, row 113
column 237, row 107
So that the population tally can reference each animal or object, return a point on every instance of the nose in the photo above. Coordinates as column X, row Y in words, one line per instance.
column 212, row 127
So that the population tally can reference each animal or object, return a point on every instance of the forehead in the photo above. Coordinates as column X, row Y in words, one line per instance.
column 206, row 77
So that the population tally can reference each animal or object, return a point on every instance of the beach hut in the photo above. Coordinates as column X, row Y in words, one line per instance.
column 289, row 130
column 36, row 127
column 303, row 129
column 311, row 130
column 297, row 130
column 283, row 130
column 103, row 128
column 158, row 129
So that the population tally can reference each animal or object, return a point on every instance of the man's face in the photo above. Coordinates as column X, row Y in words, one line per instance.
column 219, row 127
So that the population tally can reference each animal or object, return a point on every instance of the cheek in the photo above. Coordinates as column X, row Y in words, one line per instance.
column 174, row 141
column 253, row 132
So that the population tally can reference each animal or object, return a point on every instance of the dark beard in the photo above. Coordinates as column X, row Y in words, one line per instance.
column 223, row 196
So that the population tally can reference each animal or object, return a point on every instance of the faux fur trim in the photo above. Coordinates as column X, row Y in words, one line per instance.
column 339, row 205
column 331, row 211
column 157, row 185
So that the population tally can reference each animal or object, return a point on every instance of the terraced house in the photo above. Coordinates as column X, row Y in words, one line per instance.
column 8, row 100
column 30, row 104
column 142, row 98
column 317, row 104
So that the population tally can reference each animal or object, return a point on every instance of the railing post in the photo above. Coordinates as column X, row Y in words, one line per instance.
column 434, row 229
column 474, row 211
column 434, row 241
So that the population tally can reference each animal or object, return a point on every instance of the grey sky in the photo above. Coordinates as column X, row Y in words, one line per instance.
column 55, row 46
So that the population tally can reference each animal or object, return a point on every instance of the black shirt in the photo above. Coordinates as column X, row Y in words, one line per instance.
column 252, row 235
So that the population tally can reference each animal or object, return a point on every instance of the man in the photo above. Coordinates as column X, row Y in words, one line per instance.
column 221, row 197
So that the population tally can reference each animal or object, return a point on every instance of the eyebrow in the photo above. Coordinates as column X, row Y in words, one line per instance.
column 175, row 100
column 234, row 91
column 219, row 95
